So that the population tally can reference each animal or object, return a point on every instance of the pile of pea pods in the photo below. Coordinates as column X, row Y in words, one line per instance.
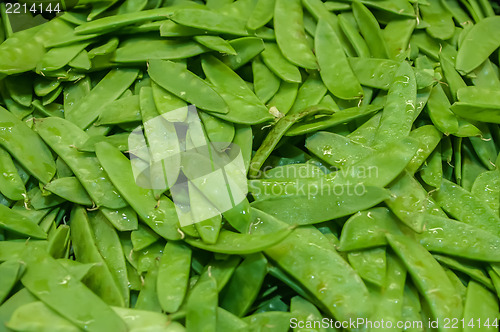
column 369, row 134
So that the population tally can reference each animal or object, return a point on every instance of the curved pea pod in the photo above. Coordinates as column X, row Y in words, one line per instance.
column 265, row 83
column 14, row 221
column 438, row 108
column 464, row 206
column 50, row 282
column 277, row 321
column 428, row 138
column 70, row 189
column 478, row 44
column 429, row 278
column 350, row 30
column 370, row 30
column 400, row 108
column 188, row 86
column 305, row 311
column 143, row 237
column 370, row 264
column 241, row 244
column 147, row 321
column 334, row 67
column 441, row 25
column 26, row 147
column 262, row 13
column 159, row 215
column 100, row 279
column 141, row 49
column 15, row 249
column 471, row 269
column 58, row 57
column 397, row 34
column 432, row 172
column 274, row 60
column 37, row 316
column 245, row 107
column 478, row 104
column 486, row 187
column 284, row 99
column 326, row 121
column 124, row 219
column 63, row 137
column 480, row 306
column 335, row 149
column 215, row 43
column 244, row 285
column 173, row 276
column 112, row 86
column 147, row 298
column 246, row 49
column 336, row 286
column 11, row 271
column 311, row 92
column 315, row 202
column 367, row 229
column 20, row 88
column 210, row 21
column 201, row 305
column 11, row 184
column 290, row 34
column 123, row 110
column 446, row 236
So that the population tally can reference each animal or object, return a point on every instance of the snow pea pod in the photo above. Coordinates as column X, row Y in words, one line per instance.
column 123, row 110
column 159, row 215
column 244, row 285
column 486, row 187
column 147, row 299
column 100, row 279
column 265, row 83
column 70, row 189
column 336, row 286
column 215, row 43
column 142, row 49
column 246, row 49
column 62, row 135
column 224, row 79
column 11, row 272
column 143, row 237
column 429, row 278
column 397, row 34
column 124, row 219
column 450, row 237
column 58, row 57
column 226, row 321
column 370, row 30
column 201, row 305
column 52, row 284
column 290, row 34
column 432, row 172
column 284, row 99
column 26, row 147
column 210, row 21
column 440, row 20
column 36, row 316
column 370, row 264
column 438, row 108
column 274, row 60
column 188, row 86
column 480, row 306
column 276, row 321
column 84, row 112
column 351, row 31
column 337, row 75
column 478, row 44
column 473, row 270
column 428, row 138
column 20, row 89
column 305, row 311
column 241, row 244
column 262, row 13
column 311, row 92
column 11, row 220
column 467, row 208
column 173, row 276
column 11, row 184
column 400, row 108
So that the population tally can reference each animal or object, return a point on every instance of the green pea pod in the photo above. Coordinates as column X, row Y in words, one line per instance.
column 210, row 21
column 477, row 104
column 265, row 83
column 480, row 306
column 370, row 30
column 11, row 184
column 367, row 229
column 370, row 264
column 70, row 189
column 397, row 34
column 14, row 221
column 450, row 237
column 226, row 321
column 123, row 110
column 486, row 187
column 58, row 57
column 77, row 269
column 141, row 49
column 201, row 306
column 471, row 269
column 142, row 320
column 400, row 108
column 20, row 89
column 143, row 237
column 173, row 275
column 216, row 43
column 86, row 110
column 262, row 13
column 306, row 313
column 37, row 316
column 438, row 108
column 188, row 86
column 159, row 215
column 351, row 31
column 337, row 75
column 432, row 172
column 269, row 321
column 311, row 92
column 284, row 99
column 224, row 79
column 52, row 284
column 26, row 147
column 274, row 59
column 11, row 272
column 243, row 139
column 246, row 49
column 478, row 44
column 74, row 92
column 120, row 141
column 245, row 284
column 441, row 25
column 164, row 100
column 290, row 34
column 124, row 219
column 336, row 286
column 148, row 299
column 85, row 167
column 85, row 245
column 428, row 138
column 429, row 278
